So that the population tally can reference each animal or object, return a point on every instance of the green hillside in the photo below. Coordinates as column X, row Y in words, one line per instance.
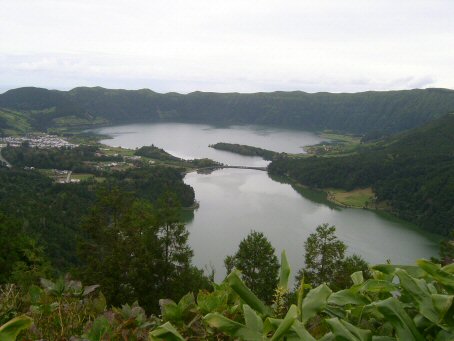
column 413, row 172
column 371, row 112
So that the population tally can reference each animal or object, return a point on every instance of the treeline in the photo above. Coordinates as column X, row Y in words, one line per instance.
column 157, row 153
column 245, row 150
column 376, row 113
column 413, row 172
column 52, row 214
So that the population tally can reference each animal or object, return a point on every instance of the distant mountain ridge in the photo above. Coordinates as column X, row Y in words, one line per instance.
column 361, row 113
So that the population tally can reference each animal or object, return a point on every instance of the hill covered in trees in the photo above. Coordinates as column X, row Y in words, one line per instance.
column 413, row 172
column 371, row 112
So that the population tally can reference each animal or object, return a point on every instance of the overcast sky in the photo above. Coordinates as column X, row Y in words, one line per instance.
column 244, row 46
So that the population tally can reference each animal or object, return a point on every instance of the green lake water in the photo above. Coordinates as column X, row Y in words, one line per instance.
column 235, row 201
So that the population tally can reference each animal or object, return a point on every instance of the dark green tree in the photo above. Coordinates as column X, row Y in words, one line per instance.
column 22, row 259
column 137, row 252
column 323, row 257
column 258, row 263
column 325, row 260
column 447, row 250
column 177, row 275
column 349, row 265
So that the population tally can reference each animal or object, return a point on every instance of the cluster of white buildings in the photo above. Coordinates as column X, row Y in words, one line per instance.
column 39, row 141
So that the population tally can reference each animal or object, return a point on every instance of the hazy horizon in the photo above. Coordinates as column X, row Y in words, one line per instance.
column 220, row 92
column 236, row 46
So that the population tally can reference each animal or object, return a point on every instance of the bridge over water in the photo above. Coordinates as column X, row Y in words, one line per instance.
column 238, row 167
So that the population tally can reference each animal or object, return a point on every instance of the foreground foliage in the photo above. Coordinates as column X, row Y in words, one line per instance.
column 397, row 303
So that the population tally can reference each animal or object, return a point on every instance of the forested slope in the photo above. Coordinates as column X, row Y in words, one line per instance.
column 367, row 112
column 413, row 172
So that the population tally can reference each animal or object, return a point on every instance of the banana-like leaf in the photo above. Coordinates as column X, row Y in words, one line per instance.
column 284, row 272
column 296, row 333
column 165, row 332
column 286, row 324
column 247, row 295
column 252, row 320
column 444, row 336
column 100, row 328
column 314, row 302
column 378, row 285
column 345, row 331
column 357, row 278
column 390, row 269
column 12, row 328
column 443, row 277
column 347, row 296
column 433, row 307
column 394, row 313
column 301, row 332
column 177, row 313
column 232, row 328
column 448, row 268
column 210, row 302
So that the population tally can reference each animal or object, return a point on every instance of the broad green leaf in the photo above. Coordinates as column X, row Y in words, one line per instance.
column 169, row 310
column 165, row 332
column 247, row 295
column 284, row 272
column 448, row 268
column 344, row 331
column 12, row 328
column 210, row 302
column 35, row 294
column 314, row 302
column 444, row 336
column 271, row 325
column 252, row 320
column 99, row 303
column 441, row 276
column 328, row 337
column 357, row 277
column 286, row 324
column 347, row 296
column 425, row 301
column 377, row 285
column 232, row 328
column 383, row 338
column 301, row 332
column 389, row 269
column 395, row 314
column 186, row 303
column 442, row 303
column 178, row 313
column 101, row 327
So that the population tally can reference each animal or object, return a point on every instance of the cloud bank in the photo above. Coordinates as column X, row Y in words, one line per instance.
column 244, row 46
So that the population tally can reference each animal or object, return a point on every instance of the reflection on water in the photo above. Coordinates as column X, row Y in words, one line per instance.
column 233, row 202
column 190, row 141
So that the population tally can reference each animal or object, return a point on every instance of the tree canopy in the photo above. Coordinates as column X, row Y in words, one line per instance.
column 257, row 261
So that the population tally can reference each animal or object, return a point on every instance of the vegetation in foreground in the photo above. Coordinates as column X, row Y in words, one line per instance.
column 395, row 303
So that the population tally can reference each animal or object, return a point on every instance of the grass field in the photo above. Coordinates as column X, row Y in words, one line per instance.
column 341, row 137
column 358, row 198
